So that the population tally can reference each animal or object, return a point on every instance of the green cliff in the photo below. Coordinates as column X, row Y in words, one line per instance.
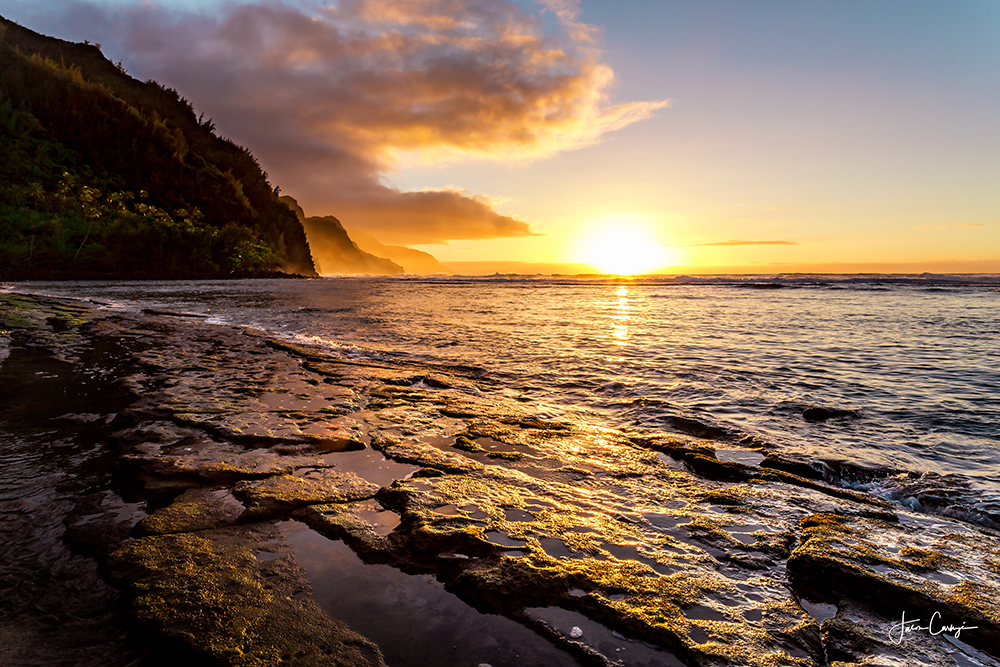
column 104, row 176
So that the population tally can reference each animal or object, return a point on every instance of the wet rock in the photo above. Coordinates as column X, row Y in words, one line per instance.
column 319, row 355
column 195, row 509
column 265, row 429
column 857, row 636
column 798, row 468
column 424, row 455
column 815, row 413
column 700, row 550
column 464, row 443
column 281, row 494
column 235, row 596
column 632, row 577
column 347, row 522
column 100, row 523
column 700, row 457
column 146, row 436
column 713, row 468
column 459, row 411
column 171, row 313
column 45, row 319
column 212, row 463
column 431, row 380
column 365, row 524
column 836, row 492
column 698, row 429
column 948, row 495
column 841, row 471
column 896, row 569
column 514, row 428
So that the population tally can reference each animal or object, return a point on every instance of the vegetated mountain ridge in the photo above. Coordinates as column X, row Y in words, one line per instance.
column 102, row 175
column 333, row 249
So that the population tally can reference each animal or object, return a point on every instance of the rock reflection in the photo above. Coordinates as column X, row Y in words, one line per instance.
column 414, row 619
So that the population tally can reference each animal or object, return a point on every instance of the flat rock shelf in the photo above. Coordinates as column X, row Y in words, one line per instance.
column 178, row 490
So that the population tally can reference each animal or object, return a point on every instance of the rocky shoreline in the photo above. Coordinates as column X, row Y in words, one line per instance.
column 165, row 480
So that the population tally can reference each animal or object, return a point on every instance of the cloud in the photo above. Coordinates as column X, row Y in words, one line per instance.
column 951, row 225
column 735, row 242
column 330, row 97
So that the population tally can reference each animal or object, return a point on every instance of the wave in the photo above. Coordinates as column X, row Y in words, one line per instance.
column 754, row 281
column 949, row 495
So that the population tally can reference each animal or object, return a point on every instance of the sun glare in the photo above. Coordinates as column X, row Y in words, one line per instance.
column 624, row 249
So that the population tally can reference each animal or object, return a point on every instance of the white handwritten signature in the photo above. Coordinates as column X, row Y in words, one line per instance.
column 899, row 630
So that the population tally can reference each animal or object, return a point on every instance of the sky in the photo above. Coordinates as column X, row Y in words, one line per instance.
column 632, row 136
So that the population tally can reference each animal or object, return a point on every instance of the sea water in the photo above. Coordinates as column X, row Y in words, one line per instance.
column 905, row 369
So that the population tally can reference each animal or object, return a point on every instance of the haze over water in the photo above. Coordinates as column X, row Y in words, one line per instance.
column 908, row 366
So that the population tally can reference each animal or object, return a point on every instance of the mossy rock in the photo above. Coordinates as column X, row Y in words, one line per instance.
column 465, row 444
column 193, row 510
column 211, row 591
column 281, row 494
column 883, row 565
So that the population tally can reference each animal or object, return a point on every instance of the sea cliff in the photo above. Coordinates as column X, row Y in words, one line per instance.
column 105, row 176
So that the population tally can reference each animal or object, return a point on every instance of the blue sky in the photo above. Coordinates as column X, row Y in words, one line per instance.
column 852, row 134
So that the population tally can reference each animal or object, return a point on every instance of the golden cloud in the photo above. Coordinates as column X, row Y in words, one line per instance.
column 737, row 242
column 329, row 100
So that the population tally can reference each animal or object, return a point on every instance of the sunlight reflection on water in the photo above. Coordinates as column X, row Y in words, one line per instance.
column 909, row 369
column 621, row 318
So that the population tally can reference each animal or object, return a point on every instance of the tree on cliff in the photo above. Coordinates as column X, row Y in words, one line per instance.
column 104, row 175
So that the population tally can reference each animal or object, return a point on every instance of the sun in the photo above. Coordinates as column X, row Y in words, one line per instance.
column 624, row 249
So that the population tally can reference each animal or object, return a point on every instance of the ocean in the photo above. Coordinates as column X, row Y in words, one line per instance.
column 887, row 384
